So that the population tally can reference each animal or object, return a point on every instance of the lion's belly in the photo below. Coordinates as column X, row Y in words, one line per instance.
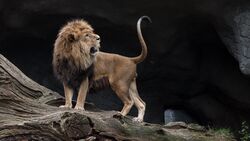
column 99, row 84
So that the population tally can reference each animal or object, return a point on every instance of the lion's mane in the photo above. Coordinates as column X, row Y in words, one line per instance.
column 71, row 59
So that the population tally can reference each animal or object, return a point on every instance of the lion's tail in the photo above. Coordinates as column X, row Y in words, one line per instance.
column 144, row 51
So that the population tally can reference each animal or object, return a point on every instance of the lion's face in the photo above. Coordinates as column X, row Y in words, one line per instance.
column 91, row 42
column 75, row 47
column 79, row 34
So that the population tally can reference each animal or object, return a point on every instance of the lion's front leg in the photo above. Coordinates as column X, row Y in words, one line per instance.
column 82, row 94
column 68, row 92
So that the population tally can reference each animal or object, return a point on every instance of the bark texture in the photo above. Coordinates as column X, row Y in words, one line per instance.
column 28, row 111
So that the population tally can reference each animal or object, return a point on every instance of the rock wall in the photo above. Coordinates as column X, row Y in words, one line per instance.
column 195, row 50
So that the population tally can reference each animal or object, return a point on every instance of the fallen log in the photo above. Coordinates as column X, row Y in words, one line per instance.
column 29, row 111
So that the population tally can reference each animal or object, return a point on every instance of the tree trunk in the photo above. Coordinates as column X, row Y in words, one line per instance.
column 29, row 111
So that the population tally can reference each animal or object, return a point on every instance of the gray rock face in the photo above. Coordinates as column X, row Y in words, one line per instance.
column 171, row 115
column 195, row 48
column 236, row 34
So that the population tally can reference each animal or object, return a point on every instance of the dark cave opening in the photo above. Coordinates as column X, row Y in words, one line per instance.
column 188, row 67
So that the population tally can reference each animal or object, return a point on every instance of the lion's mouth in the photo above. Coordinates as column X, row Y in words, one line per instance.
column 93, row 50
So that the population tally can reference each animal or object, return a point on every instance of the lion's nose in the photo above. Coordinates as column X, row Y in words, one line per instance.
column 97, row 37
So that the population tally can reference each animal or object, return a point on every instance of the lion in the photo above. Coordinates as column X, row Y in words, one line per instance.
column 79, row 63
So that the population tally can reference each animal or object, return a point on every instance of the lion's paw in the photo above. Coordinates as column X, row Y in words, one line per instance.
column 118, row 115
column 137, row 120
column 79, row 108
column 65, row 106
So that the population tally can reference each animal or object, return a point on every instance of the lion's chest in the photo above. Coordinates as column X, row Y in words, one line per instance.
column 68, row 72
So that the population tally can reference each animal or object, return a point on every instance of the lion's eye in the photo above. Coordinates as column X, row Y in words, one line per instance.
column 87, row 35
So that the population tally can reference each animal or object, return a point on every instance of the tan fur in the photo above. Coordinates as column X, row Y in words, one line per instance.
column 70, row 42
column 120, row 70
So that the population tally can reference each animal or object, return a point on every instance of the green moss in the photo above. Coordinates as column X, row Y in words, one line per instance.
column 244, row 131
column 221, row 132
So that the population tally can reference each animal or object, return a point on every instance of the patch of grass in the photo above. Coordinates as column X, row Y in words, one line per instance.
column 221, row 132
column 244, row 132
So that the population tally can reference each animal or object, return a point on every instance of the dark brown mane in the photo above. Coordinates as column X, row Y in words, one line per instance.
column 66, row 71
column 72, row 61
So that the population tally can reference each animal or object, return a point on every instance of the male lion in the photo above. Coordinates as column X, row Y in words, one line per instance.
column 78, row 63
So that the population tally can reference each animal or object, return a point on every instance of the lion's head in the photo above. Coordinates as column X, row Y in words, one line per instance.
column 74, row 49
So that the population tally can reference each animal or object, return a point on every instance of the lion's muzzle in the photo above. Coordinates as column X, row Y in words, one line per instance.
column 93, row 50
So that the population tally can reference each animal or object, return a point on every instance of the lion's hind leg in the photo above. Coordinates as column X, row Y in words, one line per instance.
column 122, row 91
column 139, row 103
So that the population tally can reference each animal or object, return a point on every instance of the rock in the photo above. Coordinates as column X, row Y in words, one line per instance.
column 234, row 30
column 171, row 115
column 183, row 125
column 196, row 127
column 176, row 125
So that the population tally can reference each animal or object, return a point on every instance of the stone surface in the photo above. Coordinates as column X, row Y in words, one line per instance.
column 235, row 32
column 195, row 48
column 171, row 115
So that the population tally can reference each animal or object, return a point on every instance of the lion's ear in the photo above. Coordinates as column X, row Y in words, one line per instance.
column 72, row 37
